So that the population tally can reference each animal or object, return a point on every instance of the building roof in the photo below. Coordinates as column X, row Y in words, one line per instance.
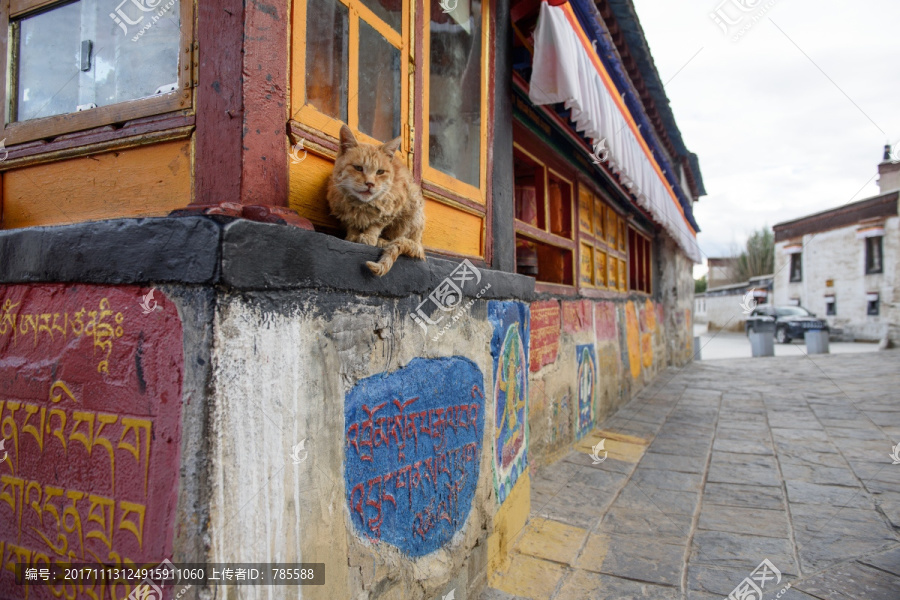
column 628, row 35
column 881, row 206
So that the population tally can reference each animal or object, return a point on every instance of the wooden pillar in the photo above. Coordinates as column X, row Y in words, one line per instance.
column 242, row 105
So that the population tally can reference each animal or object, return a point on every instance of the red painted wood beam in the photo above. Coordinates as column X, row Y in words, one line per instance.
column 241, row 161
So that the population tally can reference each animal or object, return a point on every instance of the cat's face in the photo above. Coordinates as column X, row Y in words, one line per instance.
column 364, row 171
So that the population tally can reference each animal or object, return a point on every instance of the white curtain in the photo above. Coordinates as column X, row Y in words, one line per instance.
column 563, row 72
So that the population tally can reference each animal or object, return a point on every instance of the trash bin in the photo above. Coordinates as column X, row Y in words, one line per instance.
column 762, row 339
column 697, row 348
column 816, row 341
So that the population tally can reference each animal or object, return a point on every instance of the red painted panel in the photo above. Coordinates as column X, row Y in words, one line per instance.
column 577, row 316
column 544, row 333
column 605, row 321
column 90, row 411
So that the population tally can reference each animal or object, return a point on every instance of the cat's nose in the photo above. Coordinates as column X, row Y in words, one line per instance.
column 370, row 184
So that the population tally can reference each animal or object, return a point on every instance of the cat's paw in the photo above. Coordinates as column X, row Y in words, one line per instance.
column 377, row 268
column 368, row 240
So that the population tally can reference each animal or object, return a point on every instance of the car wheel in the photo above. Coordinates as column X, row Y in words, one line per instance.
column 781, row 336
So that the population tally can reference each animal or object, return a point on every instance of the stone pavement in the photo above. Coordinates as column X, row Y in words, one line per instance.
column 715, row 468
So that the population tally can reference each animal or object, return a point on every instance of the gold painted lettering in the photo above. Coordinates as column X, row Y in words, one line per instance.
column 105, row 517
column 136, row 528
column 136, row 425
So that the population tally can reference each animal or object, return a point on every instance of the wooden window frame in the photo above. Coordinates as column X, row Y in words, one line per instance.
column 544, row 235
column 309, row 115
column 602, row 244
column 430, row 174
column 640, row 261
column 48, row 127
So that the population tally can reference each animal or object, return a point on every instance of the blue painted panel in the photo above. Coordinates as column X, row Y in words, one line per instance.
column 509, row 350
column 587, row 377
column 413, row 447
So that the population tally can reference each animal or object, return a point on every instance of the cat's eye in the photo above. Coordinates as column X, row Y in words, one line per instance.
column 358, row 168
column 380, row 172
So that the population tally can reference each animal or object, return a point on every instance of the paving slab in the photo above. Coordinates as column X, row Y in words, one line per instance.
column 715, row 468
column 853, row 581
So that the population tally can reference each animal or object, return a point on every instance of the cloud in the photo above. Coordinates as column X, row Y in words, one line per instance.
column 778, row 138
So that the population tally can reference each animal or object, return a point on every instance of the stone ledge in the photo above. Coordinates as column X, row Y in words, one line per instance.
column 241, row 254
column 305, row 259
column 120, row 251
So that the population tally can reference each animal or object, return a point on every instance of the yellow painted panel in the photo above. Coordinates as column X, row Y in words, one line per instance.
column 150, row 181
column 530, row 578
column 594, row 554
column 585, row 210
column 634, row 341
column 612, row 278
column 599, row 218
column 600, row 268
column 551, row 540
column 308, row 186
column 611, row 228
column 509, row 523
column 587, row 264
column 452, row 229
column 623, row 282
column 619, row 446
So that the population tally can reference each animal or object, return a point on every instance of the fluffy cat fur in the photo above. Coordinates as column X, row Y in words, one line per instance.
column 373, row 194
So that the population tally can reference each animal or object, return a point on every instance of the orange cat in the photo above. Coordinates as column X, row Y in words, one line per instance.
column 373, row 194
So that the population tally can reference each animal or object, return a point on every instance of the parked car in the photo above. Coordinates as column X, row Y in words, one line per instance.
column 790, row 321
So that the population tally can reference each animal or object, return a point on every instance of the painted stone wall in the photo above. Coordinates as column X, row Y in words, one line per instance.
column 396, row 466
column 605, row 351
column 91, row 390
column 305, row 424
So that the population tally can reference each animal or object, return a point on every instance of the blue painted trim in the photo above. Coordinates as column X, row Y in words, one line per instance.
column 586, row 13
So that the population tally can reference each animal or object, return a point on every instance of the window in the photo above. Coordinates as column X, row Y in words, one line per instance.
column 796, row 267
column 601, row 232
column 544, row 234
column 872, row 304
column 355, row 51
column 454, row 99
column 640, row 261
column 397, row 68
column 873, row 255
column 830, row 306
column 89, row 57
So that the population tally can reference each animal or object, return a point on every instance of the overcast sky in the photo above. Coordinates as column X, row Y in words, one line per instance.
column 785, row 122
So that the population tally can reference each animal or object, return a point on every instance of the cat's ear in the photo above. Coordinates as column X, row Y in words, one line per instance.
column 347, row 139
column 390, row 147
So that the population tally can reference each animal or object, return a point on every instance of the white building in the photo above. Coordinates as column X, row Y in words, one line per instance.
column 726, row 307
column 844, row 264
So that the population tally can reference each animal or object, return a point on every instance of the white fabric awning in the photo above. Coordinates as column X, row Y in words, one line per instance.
column 567, row 69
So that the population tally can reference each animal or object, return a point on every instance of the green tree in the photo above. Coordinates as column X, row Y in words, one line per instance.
column 758, row 258
column 700, row 285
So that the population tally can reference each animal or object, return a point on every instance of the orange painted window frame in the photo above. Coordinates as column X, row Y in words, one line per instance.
column 26, row 131
column 308, row 115
column 544, row 235
column 429, row 173
column 602, row 242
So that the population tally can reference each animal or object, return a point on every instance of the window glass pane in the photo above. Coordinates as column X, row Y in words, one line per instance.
column 82, row 53
column 327, row 32
column 379, row 85
column 389, row 11
column 454, row 120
